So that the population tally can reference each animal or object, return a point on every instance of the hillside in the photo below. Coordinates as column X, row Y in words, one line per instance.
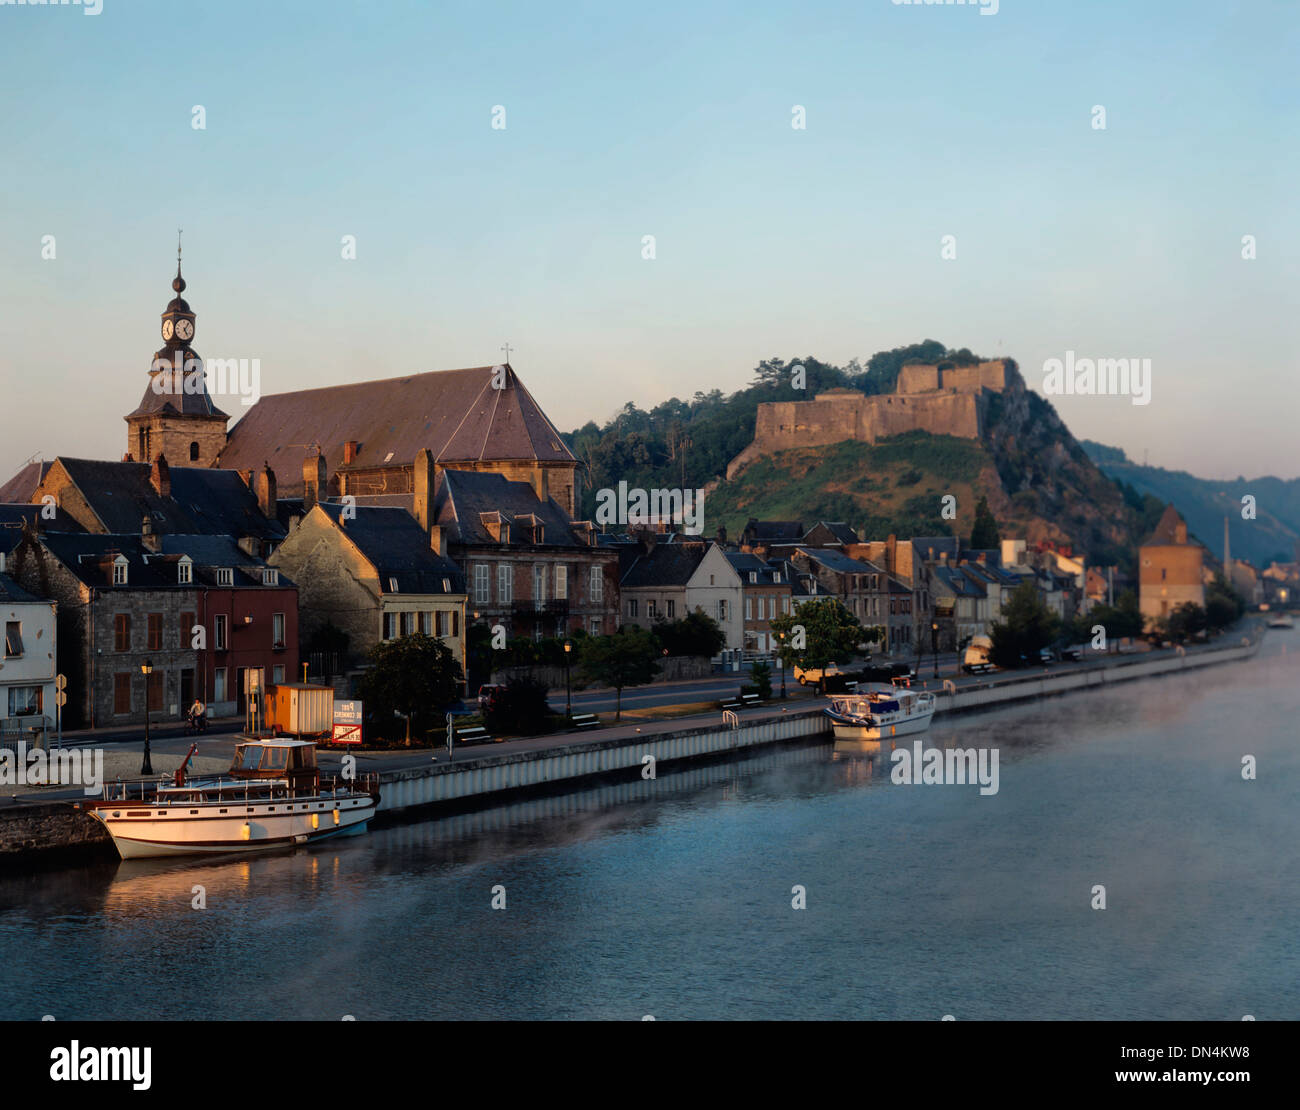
column 1204, row 502
column 1039, row 481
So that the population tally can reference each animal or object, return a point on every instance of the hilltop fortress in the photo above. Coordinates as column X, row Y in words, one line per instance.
column 950, row 401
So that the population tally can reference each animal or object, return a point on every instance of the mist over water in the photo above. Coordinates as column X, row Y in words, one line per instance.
column 673, row 897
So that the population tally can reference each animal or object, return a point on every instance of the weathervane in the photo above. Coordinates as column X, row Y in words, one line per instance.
column 506, row 348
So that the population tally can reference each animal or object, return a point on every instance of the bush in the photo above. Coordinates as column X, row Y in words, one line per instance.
column 761, row 675
column 520, row 708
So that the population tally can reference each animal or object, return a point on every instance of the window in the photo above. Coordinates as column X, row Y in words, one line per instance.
column 631, row 607
column 787, row 605
column 406, row 623
column 749, row 608
column 753, row 577
column 595, row 626
column 122, row 692
column 455, row 622
column 220, row 627
column 13, row 639
column 722, row 610
column 122, row 633
column 153, row 637
column 219, row 684
column 26, row 701
column 270, row 576
column 1164, row 573
column 154, row 685
column 225, row 576
column 119, row 571
column 277, row 630
column 426, row 624
column 539, row 585
column 537, row 630
column 186, row 630
column 185, row 571
column 440, row 618
column 481, row 583
column 390, row 626
column 392, row 585
column 505, row 583
column 651, row 609
column 561, row 583
column 277, row 674
column 672, row 609
column 597, row 584
column 446, row 585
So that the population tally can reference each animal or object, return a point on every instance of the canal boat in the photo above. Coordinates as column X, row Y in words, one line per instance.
column 880, row 713
column 1280, row 620
column 272, row 797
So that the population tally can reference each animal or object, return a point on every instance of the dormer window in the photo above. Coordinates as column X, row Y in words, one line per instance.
column 225, row 576
column 185, row 571
column 776, row 577
column 392, row 585
column 753, row 576
column 119, row 571
column 270, row 576
column 446, row 585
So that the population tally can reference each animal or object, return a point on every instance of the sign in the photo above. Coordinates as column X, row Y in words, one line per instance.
column 60, row 683
column 347, row 722
column 60, row 698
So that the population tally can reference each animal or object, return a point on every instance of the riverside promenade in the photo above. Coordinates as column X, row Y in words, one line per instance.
column 423, row 781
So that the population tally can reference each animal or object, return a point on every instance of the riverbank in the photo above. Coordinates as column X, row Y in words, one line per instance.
column 413, row 784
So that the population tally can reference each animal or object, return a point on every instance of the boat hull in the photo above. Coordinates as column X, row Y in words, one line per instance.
column 845, row 730
column 146, row 831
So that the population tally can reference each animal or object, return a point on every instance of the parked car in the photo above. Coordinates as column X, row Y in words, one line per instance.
column 486, row 693
column 889, row 673
column 816, row 674
column 1074, row 653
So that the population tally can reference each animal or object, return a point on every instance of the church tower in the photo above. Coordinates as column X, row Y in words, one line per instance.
column 176, row 418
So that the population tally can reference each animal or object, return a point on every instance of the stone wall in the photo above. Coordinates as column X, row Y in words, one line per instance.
column 29, row 830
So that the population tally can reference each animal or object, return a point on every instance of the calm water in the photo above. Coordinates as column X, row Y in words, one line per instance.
column 672, row 897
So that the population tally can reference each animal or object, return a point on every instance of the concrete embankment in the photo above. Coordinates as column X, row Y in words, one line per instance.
column 553, row 764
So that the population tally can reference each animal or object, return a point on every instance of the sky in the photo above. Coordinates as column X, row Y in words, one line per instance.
column 673, row 120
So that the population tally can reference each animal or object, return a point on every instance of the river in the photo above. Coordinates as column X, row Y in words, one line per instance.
column 673, row 897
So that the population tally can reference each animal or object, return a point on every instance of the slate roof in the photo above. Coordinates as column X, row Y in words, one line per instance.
column 22, row 485
column 1165, row 533
column 90, row 557
column 666, row 565
column 172, row 398
column 468, row 498
column 839, row 562
column 456, row 414
column 11, row 592
column 840, row 530
column 398, row 548
column 959, row 584
column 12, row 518
column 930, row 548
column 789, row 530
column 744, row 563
column 202, row 501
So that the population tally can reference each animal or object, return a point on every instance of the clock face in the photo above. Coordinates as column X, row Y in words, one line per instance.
column 184, row 329
column 167, row 329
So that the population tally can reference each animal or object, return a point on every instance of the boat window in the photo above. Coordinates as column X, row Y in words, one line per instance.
column 247, row 757
column 275, row 759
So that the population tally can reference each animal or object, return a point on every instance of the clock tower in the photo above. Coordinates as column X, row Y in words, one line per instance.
column 176, row 418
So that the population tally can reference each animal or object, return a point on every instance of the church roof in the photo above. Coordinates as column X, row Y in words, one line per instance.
column 22, row 485
column 456, row 414
column 1167, row 530
column 466, row 498
column 174, row 399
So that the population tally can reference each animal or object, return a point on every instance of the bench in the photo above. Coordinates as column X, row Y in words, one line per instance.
column 475, row 734
column 585, row 720
column 750, row 699
column 733, row 704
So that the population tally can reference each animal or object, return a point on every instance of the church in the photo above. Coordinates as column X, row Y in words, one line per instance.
column 367, row 434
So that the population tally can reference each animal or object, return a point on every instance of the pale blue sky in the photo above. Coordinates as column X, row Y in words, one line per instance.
column 672, row 120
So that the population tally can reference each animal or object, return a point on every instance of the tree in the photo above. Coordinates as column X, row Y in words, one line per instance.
column 1027, row 627
column 760, row 675
column 830, row 633
column 520, row 707
column 984, row 535
column 697, row 633
column 1117, row 621
column 630, row 657
column 1223, row 604
column 415, row 677
column 1184, row 622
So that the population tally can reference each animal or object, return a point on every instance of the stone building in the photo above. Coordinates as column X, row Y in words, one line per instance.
column 665, row 581
column 1170, row 569
column 948, row 401
column 201, row 620
column 767, row 594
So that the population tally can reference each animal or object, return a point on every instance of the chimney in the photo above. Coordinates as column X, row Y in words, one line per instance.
column 148, row 537
column 349, row 452
column 313, row 480
column 647, row 537
column 891, row 554
column 160, row 476
column 424, row 488
column 266, row 492
column 435, row 539
column 722, row 535
column 247, row 476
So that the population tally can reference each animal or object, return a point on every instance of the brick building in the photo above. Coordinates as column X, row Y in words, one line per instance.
column 1170, row 569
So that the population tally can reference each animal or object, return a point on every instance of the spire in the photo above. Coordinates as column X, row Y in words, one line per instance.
column 179, row 283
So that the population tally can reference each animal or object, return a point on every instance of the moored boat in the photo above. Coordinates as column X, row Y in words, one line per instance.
column 272, row 797
column 881, row 712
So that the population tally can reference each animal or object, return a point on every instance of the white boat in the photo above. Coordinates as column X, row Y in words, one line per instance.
column 271, row 798
column 880, row 713
column 1280, row 620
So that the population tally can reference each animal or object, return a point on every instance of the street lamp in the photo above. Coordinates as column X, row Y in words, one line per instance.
column 568, row 694
column 146, row 669
column 781, row 652
column 934, row 645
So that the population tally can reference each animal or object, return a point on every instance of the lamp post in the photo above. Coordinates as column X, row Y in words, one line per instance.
column 934, row 645
column 781, row 652
column 146, row 669
column 568, row 694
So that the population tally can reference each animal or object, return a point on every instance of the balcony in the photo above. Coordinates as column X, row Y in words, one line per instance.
column 552, row 608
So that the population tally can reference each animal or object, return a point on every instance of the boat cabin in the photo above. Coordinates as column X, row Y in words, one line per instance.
column 293, row 760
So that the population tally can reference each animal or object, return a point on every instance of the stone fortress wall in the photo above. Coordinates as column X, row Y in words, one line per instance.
column 952, row 401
